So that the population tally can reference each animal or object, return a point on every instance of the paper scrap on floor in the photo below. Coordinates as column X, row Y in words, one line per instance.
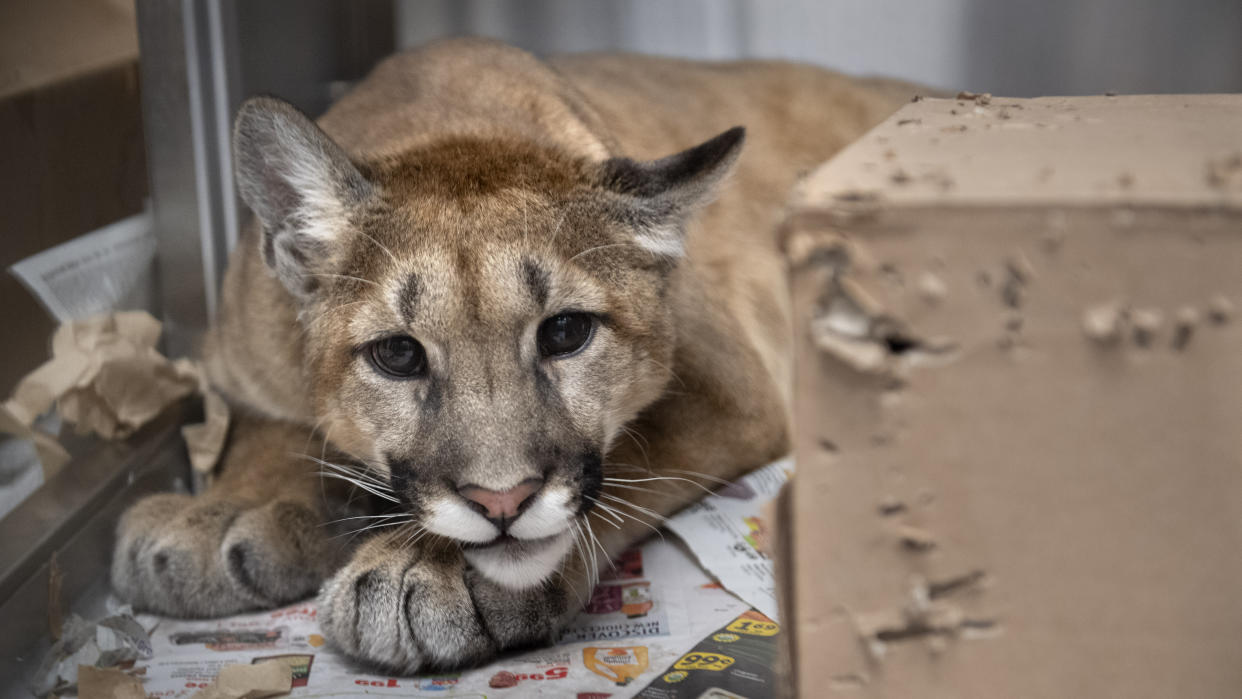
column 725, row 531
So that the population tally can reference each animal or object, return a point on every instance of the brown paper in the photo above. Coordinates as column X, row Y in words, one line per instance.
column 107, row 683
column 107, row 378
column 205, row 440
column 266, row 679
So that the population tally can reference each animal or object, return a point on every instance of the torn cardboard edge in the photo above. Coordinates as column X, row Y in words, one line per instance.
column 850, row 325
column 928, row 615
column 107, row 378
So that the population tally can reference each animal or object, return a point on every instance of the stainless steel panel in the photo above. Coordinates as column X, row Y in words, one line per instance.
column 71, row 520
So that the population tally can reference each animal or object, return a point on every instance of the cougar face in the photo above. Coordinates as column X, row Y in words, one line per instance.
column 482, row 316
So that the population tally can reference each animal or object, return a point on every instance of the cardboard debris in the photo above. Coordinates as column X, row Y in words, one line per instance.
column 111, row 641
column 108, row 683
column 205, row 440
column 1103, row 323
column 1220, row 309
column 107, row 378
column 266, row 679
column 1147, row 323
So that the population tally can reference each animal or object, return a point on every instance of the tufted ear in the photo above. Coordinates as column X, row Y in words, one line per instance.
column 664, row 193
column 301, row 186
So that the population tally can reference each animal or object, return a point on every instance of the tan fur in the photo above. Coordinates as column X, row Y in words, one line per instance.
column 482, row 159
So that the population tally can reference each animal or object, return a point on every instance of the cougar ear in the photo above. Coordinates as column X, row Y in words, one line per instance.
column 301, row 186
column 664, row 193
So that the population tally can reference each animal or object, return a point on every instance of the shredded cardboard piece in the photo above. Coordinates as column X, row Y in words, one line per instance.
column 915, row 538
column 1147, row 323
column 1103, row 323
column 926, row 616
column 853, row 330
column 1220, row 309
column 107, row 378
column 266, row 679
column 205, row 440
column 109, row 642
column 1184, row 322
column 1224, row 172
column 931, row 288
column 108, row 683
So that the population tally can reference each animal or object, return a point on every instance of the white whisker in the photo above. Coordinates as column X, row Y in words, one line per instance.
column 602, row 550
column 601, row 247
column 609, row 479
column 381, row 247
column 370, row 527
column 361, row 485
column 642, row 490
column 630, row 516
column 608, row 521
column 350, row 472
column 638, row 508
column 342, row 276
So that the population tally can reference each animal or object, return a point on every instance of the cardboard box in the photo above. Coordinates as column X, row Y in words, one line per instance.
column 1018, row 403
column 71, row 134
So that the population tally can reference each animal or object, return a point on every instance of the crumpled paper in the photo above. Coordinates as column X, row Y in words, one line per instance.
column 205, row 440
column 266, row 679
column 108, row 642
column 107, row 378
column 108, row 683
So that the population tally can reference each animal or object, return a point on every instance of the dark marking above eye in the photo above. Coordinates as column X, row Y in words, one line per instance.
column 536, row 279
column 408, row 298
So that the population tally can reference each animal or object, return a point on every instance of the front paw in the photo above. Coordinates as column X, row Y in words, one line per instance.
column 424, row 608
column 185, row 556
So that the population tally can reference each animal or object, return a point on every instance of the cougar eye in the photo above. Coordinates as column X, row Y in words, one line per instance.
column 399, row 356
column 564, row 334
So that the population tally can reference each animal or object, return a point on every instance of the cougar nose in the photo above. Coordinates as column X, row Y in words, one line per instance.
column 501, row 507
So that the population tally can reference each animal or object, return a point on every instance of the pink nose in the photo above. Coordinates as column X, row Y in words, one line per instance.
column 495, row 504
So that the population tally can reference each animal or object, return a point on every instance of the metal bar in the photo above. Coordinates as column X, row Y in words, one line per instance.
column 189, row 75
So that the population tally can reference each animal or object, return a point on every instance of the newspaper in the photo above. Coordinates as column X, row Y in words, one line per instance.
column 725, row 531
column 657, row 626
column 659, row 605
column 102, row 271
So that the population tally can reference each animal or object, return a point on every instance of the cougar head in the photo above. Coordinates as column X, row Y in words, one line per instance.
column 481, row 316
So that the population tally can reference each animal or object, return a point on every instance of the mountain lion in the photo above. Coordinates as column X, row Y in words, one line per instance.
column 516, row 313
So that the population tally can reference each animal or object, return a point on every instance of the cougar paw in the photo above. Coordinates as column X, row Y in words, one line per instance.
column 404, row 610
column 185, row 556
column 413, row 610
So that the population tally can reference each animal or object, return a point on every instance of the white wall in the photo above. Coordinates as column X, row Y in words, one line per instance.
column 1015, row 47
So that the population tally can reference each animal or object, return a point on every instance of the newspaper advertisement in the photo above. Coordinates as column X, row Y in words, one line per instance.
column 725, row 529
column 656, row 607
column 737, row 660
column 105, row 270
column 656, row 626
